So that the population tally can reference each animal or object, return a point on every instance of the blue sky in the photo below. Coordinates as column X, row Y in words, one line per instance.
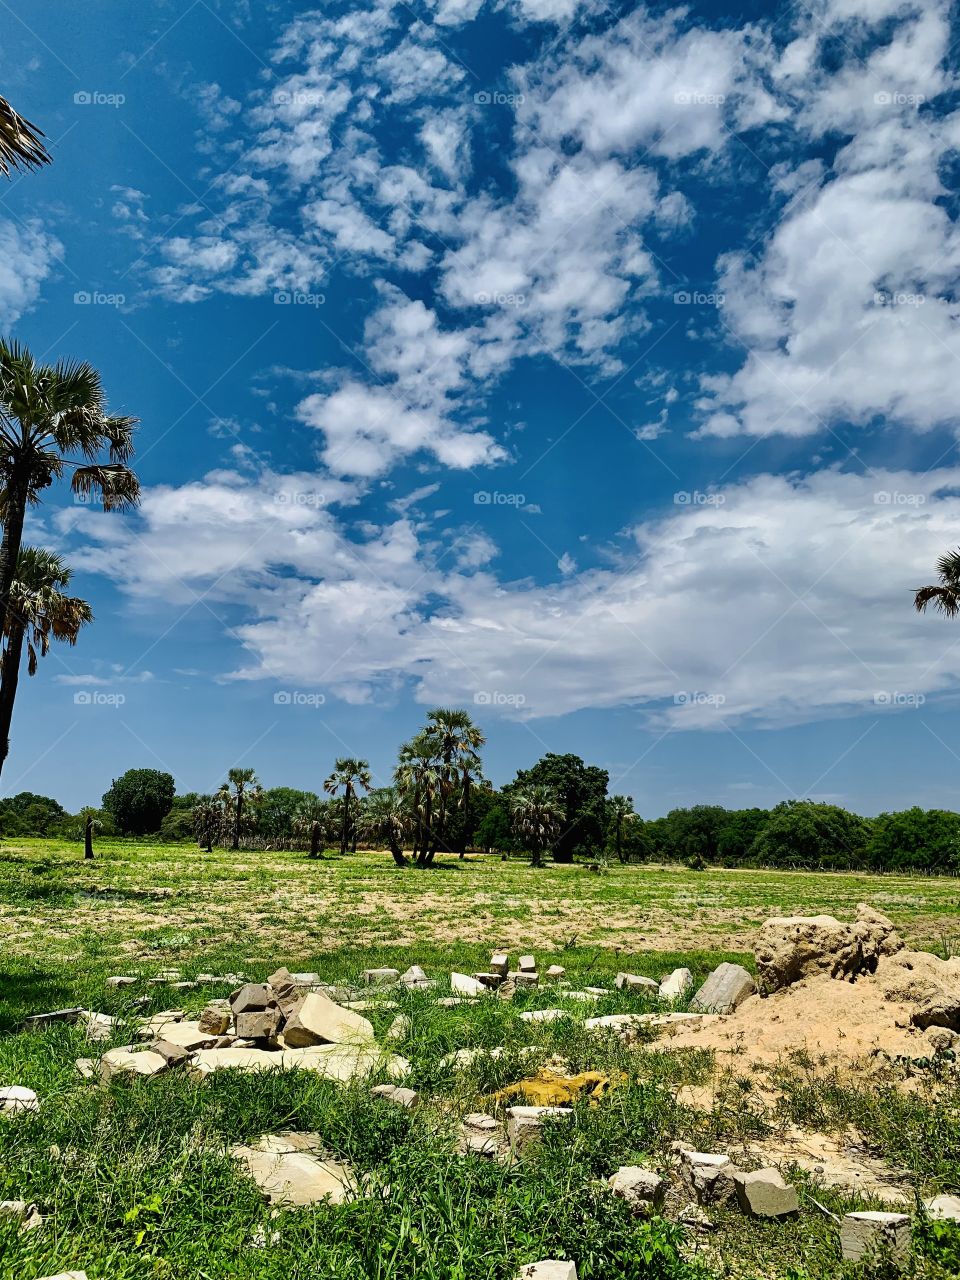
column 594, row 367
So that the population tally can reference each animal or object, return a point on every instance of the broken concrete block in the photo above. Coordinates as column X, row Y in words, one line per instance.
column 489, row 980
column 527, row 964
column 99, row 1025
column 524, row 978
column 549, row 1269
column 251, row 998
column 399, row 1028
column 500, row 963
column 37, row 1021
column 174, row 1055
column 543, row 1015
column 524, row 1123
column 408, row 1098
column 556, row 971
column 130, row 1061
column 16, row 1099
column 295, row 1178
column 320, row 1021
column 258, row 1024
column 725, row 989
column 764, row 1194
column 633, row 982
column 864, row 1233
column 67, row 1275
column 185, row 1034
column 119, row 980
column 381, row 977
column 343, row 1061
column 676, row 985
column 87, row 1068
column 642, row 1189
column 461, row 984
column 943, row 1208
column 215, row 1018
column 709, row 1176
column 206, row 1061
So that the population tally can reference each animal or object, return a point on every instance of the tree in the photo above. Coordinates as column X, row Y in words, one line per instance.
column 805, row 833
column 915, row 840
column 139, row 800
column 455, row 742
column 38, row 611
column 90, row 823
column 312, row 822
column 581, row 790
column 620, row 815
column 495, row 830
column 246, row 788
column 50, row 414
column 28, row 814
column 537, row 814
column 279, row 808
column 348, row 774
column 385, row 816
column 21, row 145
column 207, row 817
column 418, row 781
column 945, row 595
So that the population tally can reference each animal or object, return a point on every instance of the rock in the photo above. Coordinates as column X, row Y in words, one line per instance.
column 172, row 1054
column 556, row 971
column 527, row 964
column 632, row 982
column 480, row 1121
column 185, row 1034
column 579, row 995
column 183, row 986
column 691, row 1215
column 408, row 1098
column 320, row 1021
column 463, row 985
column 37, row 1021
column 500, row 963
column 295, row 1178
column 543, row 1015
column 119, row 980
column 524, row 1122
column 454, row 1002
column 251, row 998
column 524, row 978
column 343, row 1061
column 764, row 1194
column 306, row 979
column 489, row 980
column 87, row 1068
column 399, row 1028
column 642, row 1189
column 16, row 1099
column 709, row 1176
column 549, row 1269
column 381, row 977
column 215, row 1018
column 864, row 1233
column 941, row 1010
column 479, row 1144
column 794, row 947
column 205, row 1061
column 943, row 1208
column 19, row 1210
column 415, row 977
column 99, row 1025
column 725, row 989
column 67, row 1275
column 676, row 985
column 130, row 1061
column 258, row 1025
column 155, row 1026
column 943, row 1041
column 597, row 991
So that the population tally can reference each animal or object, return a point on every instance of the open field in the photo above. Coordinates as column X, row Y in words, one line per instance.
column 134, row 1179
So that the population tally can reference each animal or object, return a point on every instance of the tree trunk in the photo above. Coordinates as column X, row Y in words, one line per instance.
column 9, row 677
column 398, row 855
column 466, row 815
column 88, row 838
column 344, row 821
column 315, row 840
column 11, row 541
column 236, row 823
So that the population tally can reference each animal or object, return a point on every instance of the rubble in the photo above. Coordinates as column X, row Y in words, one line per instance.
column 724, row 990
column 642, row 1189
column 862, row 1234
column 793, row 947
column 764, row 1194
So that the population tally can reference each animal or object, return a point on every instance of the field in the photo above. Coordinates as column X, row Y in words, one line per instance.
column 134, row 1180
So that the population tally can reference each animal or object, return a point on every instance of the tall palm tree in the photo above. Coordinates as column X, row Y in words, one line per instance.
column 348, row 774
column 537, row 816
column 246, row 786
column 20, row 142
column 53, row 417
column 418, row 781
column 385, row 816
column 945, row 596
column 39, row 611
column 207, row 821
column 620, row 809
column 456, row 743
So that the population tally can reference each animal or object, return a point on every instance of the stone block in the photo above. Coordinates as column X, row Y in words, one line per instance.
column 642, row 1189
column 251, row 998
column 866, row 1233
column 461, row 984
column 549, row 1269
column 320, row 1021
column 764, row 1194
column 258, row 1025
column 380, row 977
column 708, row 1175
column 676, row 985
column 724, row 991
column 408, row 1098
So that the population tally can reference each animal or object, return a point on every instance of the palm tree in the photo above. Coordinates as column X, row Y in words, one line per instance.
column 48, row 412
column 348, row 773
column 537, row 816
column 246, row 786
column 385, row 816
column 207, row 821
column 38, row 611
column 20, row 142
column 620, row 809
column 310, row 820
column 456, row 742
column 945, row 597
column 418, row 781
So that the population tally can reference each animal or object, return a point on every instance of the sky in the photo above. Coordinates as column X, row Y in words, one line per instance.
column 592, row 367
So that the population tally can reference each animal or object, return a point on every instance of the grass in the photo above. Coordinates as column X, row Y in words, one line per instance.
column 135, row 1180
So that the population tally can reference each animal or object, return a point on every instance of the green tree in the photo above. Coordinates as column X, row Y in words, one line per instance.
column 240, row 804
column 582, row 792
column 417, row 780
column 806, row 833
column 38, row 612
column 620, row 816
column 207, row 818
column 915, row 840
column 384, row 815
column 28, row 814
column 944, row 595
column 21, row 143
column 139, row 800
column 53, row 418
column 279, row 807
column 495, row 830
column 456, row 742
column 348, row 774
column 537, row 814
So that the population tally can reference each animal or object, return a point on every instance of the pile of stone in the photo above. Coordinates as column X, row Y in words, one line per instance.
column 284, row 1023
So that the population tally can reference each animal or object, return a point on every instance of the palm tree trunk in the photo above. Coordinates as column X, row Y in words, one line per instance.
column 398, row 854
column 9, row 678
column 466, row 815
column 344, row 821
column 236, row 821
column 315, row 840
column 11, row 541
column 88, row 838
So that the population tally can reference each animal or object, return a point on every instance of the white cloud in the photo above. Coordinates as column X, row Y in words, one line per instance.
column 28, row 254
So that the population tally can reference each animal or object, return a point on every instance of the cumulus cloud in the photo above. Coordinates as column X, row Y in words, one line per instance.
column 28, row 254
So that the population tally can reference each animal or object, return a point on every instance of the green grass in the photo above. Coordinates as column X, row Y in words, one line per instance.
column 135, row 1180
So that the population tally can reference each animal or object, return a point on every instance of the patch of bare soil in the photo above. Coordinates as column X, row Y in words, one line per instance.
column 836, row 1162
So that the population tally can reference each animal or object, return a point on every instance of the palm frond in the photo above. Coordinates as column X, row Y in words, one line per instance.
column 21, row 143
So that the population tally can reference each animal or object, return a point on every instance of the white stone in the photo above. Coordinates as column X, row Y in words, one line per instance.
column 381, row 977
column 524, row 1122
column 633, row 982
column 120, row 980
column 295, row 1178
column 549, row 1269
column 408, row 1098
column 67, row 1275
column 131, row 1061
column 320, row 1021
column 943, row 1208
column 708, row 1175
column 500, row 963
column 764, row 1194
column 724, row 991
column 527, row 964
column 676, row 985
column 344, row 1061
column 461, row 984
column 543, row 1015
column 205, row 1061
column 863, row 1233
column 399, row 1028
column 186, row 1035
column 556, row 971
column 99, row 1025
column 641, row 1188
column 16, row 1099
